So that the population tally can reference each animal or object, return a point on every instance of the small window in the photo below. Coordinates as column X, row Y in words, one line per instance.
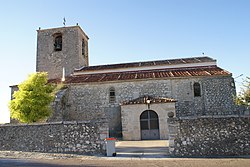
column 112, row 95
column 58, row 43
column 83, row 48
column 197, row 89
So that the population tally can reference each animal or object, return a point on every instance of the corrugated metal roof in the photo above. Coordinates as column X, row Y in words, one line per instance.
column 147, row 63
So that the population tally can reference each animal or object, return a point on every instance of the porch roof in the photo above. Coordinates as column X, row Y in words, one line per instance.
column 149, row 100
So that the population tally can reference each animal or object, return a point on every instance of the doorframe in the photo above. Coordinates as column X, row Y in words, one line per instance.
column 150, row 131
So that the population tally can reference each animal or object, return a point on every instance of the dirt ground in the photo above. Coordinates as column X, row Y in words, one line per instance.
column 160, row 163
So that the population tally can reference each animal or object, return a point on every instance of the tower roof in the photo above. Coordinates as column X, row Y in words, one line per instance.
column 60, row 28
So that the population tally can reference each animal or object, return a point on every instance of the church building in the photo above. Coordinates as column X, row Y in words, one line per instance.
column 135, row 98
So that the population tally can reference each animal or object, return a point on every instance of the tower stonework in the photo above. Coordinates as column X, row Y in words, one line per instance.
column 61, row 48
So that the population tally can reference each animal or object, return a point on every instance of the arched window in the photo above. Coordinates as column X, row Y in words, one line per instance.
column 111, row 95
column 58, row 42
column 197, row 89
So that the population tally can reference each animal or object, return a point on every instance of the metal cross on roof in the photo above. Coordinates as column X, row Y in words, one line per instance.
column 64, row 21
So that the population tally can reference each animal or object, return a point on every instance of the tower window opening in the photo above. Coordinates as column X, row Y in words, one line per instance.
column 83, row 48
column 58, row 43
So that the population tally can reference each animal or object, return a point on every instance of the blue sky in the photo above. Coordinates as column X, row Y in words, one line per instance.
column 127, row 31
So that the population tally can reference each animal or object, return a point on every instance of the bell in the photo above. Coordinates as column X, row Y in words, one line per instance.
column 57, row 46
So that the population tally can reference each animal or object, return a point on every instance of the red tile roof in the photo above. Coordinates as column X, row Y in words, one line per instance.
column 148, row 63
column 143, row 100
column 146, row 74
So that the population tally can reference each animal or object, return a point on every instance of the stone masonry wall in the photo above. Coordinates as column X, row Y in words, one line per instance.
column 221, row 136
column 70, row 57
column 91, row 101
column 66, row 137
column 217, row 96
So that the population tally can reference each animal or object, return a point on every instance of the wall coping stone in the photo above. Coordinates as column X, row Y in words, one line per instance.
column 55, row 123
column 214, row 116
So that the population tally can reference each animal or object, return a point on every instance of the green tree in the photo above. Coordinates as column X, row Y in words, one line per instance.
column 243, row 97
column 32, row 101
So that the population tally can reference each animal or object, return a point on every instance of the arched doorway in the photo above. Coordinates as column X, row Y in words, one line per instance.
column 149, row 123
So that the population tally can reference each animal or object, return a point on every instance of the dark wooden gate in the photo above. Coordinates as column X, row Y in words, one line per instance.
column 149, row 125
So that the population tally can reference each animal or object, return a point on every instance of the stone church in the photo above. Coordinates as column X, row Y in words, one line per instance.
column 135, row 98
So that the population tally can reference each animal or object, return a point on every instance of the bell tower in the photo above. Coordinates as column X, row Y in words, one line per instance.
column 63, row 48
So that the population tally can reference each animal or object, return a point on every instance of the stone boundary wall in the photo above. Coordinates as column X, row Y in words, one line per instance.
column 208, row 137
column 58, row 137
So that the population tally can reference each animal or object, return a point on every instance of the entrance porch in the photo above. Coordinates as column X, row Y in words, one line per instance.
column 145, row 118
